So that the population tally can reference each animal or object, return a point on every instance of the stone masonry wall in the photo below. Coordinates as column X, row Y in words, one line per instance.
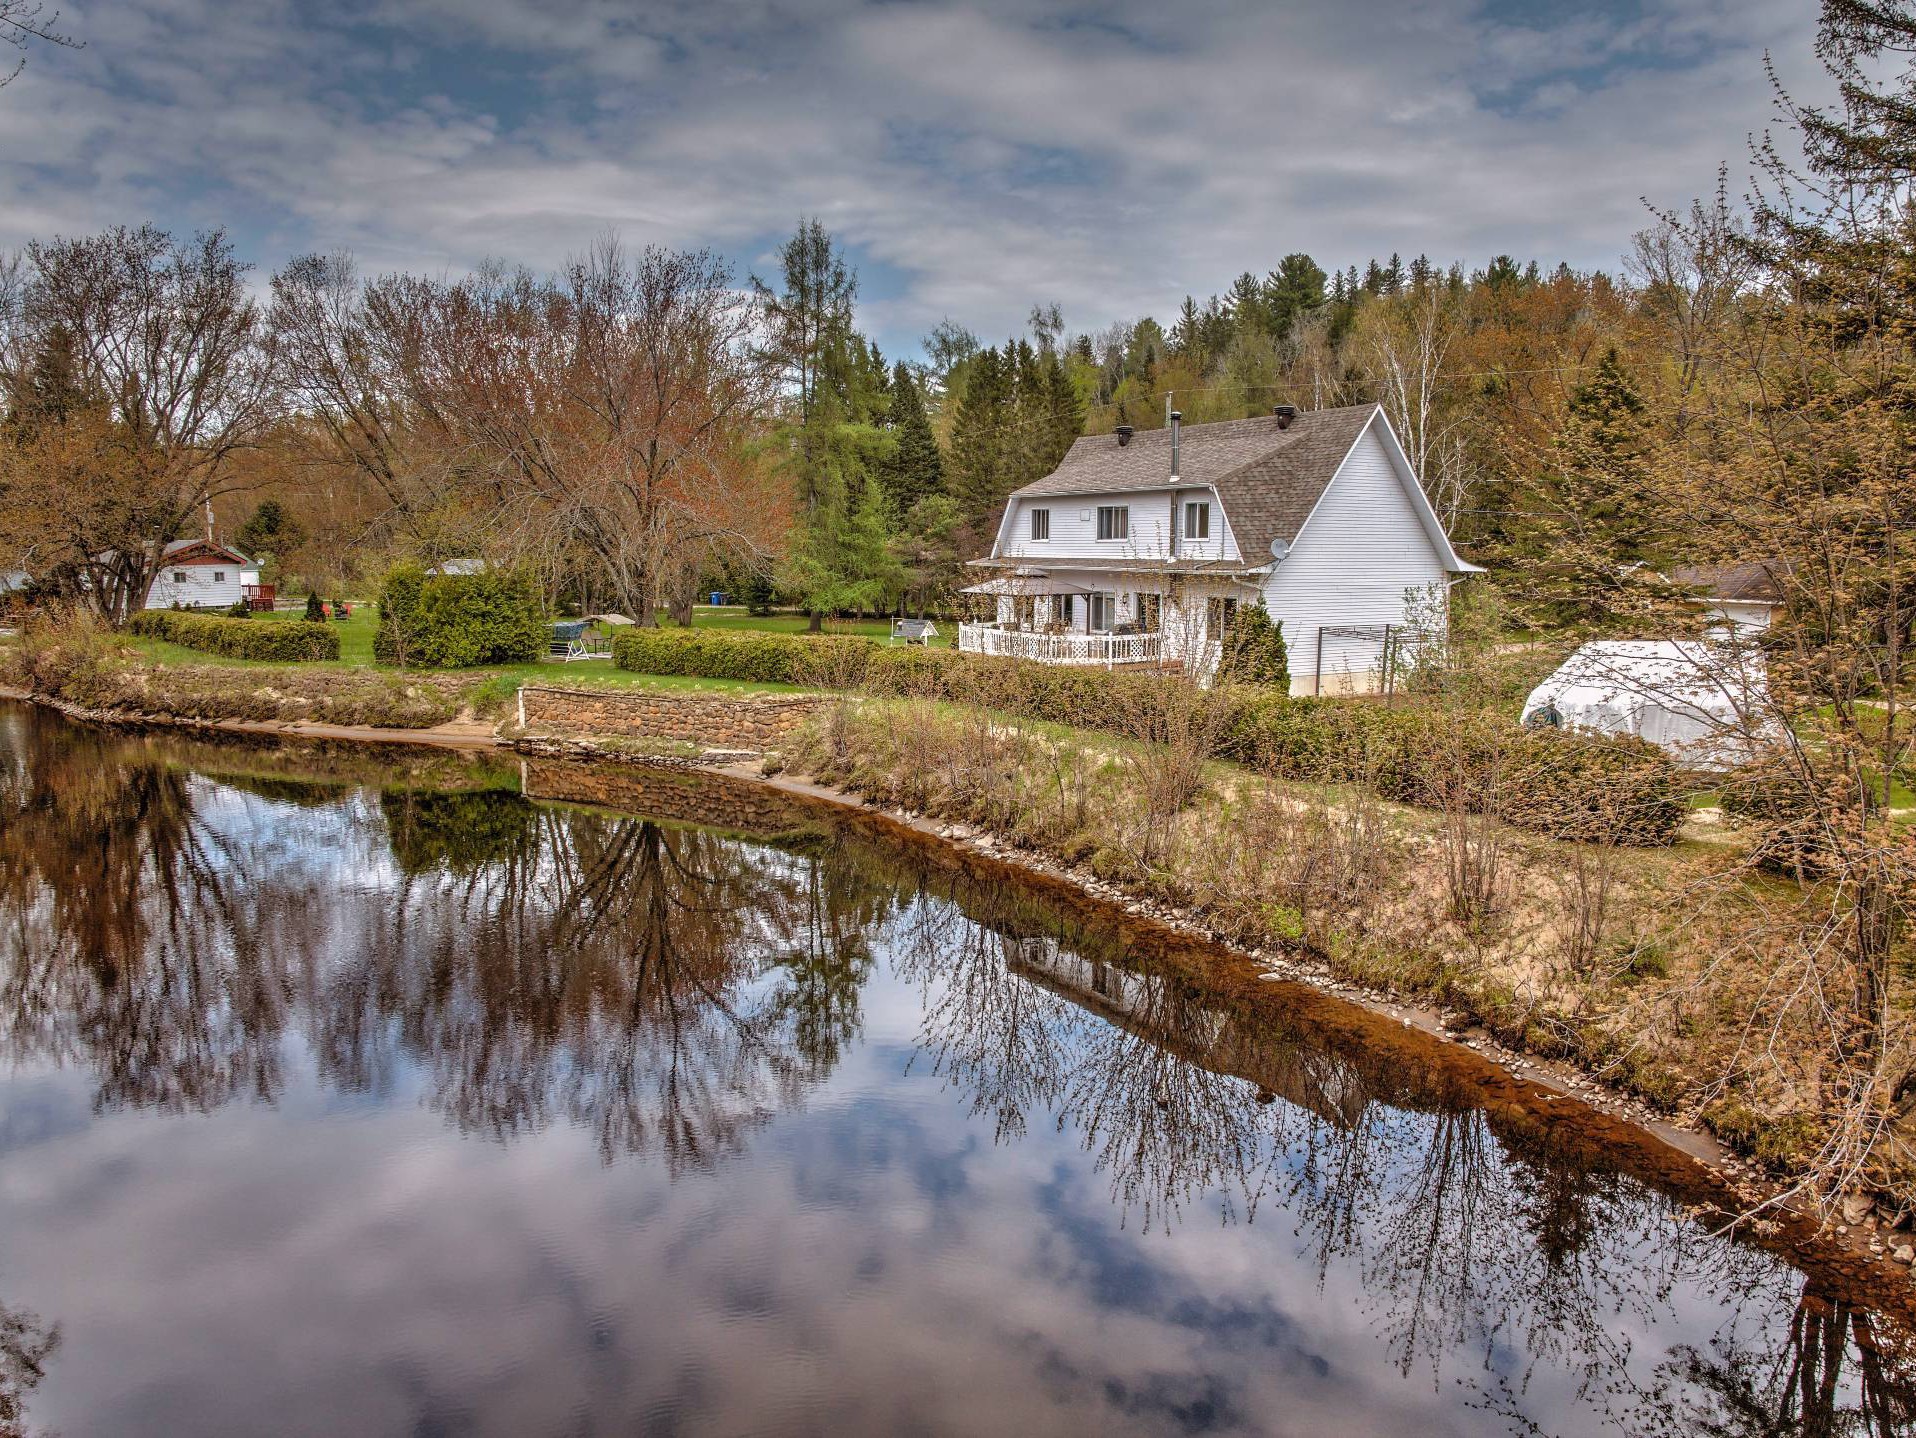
column 713, row 721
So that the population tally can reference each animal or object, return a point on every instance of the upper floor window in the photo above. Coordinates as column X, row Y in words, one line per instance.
column 1040, row 524
column 219, row 576
column 1197, row 520
column 1114, row 521
column 179, row 576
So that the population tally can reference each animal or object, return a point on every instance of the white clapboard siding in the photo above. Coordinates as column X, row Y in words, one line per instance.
column 1362, row 548
column 205, row 586
column 1074, row 528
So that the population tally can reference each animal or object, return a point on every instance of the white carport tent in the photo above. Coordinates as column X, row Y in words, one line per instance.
column 1702, row 701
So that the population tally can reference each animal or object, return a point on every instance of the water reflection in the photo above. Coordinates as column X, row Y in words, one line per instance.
column 192, row 933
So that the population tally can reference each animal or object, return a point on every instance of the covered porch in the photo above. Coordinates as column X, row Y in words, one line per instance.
column 1111, row 620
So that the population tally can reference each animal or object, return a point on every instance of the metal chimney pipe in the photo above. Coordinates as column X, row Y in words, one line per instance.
column 1176, row 416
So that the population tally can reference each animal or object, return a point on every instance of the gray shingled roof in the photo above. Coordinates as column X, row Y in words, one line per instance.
column 1749, row 581
column 1268, row 479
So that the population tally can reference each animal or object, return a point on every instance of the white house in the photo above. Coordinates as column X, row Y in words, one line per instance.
column 202, row 574
column 1138, row 548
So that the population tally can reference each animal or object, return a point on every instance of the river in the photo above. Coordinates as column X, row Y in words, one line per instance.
column 352, row 1090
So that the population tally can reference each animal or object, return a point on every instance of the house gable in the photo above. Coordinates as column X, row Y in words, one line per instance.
column 1365, row 546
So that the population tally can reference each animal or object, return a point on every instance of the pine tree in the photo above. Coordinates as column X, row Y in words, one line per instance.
column 1590, row 541
column 978, row 461
column 1293, row 291
column 915, row 469
column 1250, row 314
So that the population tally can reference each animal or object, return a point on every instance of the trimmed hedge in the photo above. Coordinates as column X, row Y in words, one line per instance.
column 238, row 638
column 1566, row 785
column 457, row 621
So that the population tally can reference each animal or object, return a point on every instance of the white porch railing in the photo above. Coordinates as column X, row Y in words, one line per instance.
column 1106, row 649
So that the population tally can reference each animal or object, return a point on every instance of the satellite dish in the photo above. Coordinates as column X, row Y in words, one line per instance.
column 1280, row 547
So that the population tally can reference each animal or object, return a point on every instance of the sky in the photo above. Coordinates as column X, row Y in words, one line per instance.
column 974, row 159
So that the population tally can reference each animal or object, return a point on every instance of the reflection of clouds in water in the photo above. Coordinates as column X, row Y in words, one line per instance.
column 405, row 1277
column 772, row 1138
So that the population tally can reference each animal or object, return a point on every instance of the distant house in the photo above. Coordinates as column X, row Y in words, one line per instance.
column 1741, row 597
column 1138, row 548
column 457, row 568
column 202, row 574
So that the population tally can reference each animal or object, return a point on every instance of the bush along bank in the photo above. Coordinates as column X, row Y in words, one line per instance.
column 1563, row 785
column 1630, row 963
column 238, row 638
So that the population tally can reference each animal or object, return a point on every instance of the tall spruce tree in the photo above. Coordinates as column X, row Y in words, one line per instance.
column 1590, row 541
column 915, row 469
column 979, row 462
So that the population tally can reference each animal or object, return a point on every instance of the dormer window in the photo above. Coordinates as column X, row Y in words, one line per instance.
column 1197, row 520
column 1040, row 525
column 1114, row 521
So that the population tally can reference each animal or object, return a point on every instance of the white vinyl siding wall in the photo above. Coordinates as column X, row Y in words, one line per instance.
column 198, row 590
column 1361, row 549
column 1074, row 528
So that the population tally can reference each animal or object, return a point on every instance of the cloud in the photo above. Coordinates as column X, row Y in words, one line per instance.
column 977, row 157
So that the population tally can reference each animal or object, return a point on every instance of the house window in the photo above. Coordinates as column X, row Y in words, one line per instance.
column 179, row 576
column 1104, row 613
column 1114, row 521
column 219, row 576
column 1040, row 524
column 1147, row 612
column 1218, row 614
column 1197, row 520
column 1065, row 610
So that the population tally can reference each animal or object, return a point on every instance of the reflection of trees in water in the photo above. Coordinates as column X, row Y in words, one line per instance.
column 124, row 941
column 668, row 988
column 1467, row 1238
column 25, row 1346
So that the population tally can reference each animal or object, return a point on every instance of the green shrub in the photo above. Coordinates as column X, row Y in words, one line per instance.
column 757, row 658
column 1568, row 785
column 239, row 609
column 315, row 610
column 1256, row 649
column 237, row 638
column 456, row 621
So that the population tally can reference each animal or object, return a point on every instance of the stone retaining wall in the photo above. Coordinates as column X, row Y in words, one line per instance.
column 713, row 721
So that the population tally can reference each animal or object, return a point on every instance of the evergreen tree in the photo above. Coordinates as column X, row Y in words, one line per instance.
column 915, row 468
column 1589, row 542
column 839, row 558
column 979, row 473
column 1250, row 314
column 1293, row 291
column 268, row 530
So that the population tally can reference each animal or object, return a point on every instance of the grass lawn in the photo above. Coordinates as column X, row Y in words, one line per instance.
column 356, row 648
column 500, row 681
column 733, row 616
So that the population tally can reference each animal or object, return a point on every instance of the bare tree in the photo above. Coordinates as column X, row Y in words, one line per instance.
column 614, row 410
column 24, row 21
column 159, row 354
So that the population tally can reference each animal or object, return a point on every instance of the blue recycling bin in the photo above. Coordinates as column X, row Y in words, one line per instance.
column 718, row 598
